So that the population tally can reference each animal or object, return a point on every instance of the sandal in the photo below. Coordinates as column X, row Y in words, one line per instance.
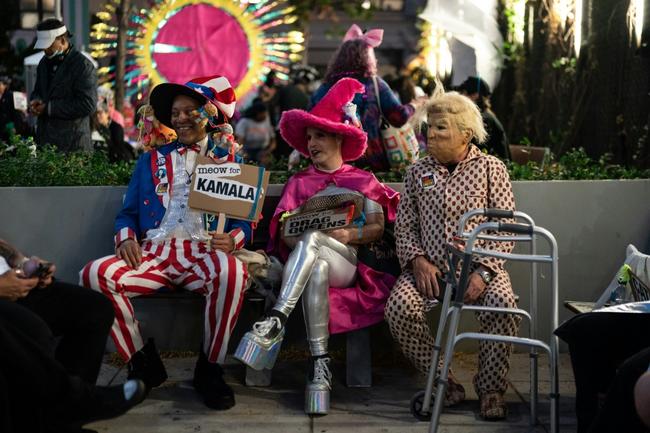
column 454, row 394
column 493, row 407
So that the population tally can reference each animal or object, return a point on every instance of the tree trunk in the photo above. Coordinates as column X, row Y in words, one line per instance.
column 611, row 98
column 541, row 76
column 122, row 14
column 504, row 94
column 599, row 101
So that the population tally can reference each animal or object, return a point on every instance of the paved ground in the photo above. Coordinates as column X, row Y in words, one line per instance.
column 175, row 407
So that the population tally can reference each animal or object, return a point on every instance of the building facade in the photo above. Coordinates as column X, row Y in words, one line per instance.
column 398, row 18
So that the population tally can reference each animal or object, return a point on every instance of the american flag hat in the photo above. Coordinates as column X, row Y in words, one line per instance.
column 215, row 89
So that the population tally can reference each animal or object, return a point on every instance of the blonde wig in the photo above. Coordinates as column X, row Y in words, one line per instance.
column 463, row 112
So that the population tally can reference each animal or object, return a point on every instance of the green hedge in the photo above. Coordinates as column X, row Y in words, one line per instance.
column 23, row 164
column 575, row 165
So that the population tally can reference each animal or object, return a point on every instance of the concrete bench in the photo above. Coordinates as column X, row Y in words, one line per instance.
column 82, row 229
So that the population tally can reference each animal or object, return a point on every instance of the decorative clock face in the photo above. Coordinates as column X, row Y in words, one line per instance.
column 179, row 40
column 198, row 41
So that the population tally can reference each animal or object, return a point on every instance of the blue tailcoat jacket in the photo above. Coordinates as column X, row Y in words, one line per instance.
column 143, row 208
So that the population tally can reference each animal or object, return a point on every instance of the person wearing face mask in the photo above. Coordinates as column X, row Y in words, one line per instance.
column 163, row 244
column 340, row 292
column 65, row 93
column 356, row 58
column 454, row 178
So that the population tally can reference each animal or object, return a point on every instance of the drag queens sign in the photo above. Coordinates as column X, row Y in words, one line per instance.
column 235, row 190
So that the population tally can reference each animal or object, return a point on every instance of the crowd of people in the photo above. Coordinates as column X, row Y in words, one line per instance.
column 67, row 109
column 161, row 243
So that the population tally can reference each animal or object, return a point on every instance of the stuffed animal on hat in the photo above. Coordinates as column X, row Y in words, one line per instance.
column 205, row 114
column 152, row 132
column 225, row 139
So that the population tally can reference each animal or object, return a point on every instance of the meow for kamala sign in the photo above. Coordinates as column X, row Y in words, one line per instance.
column 237, row 190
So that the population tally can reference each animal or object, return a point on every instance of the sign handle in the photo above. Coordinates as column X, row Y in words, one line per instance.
column 221, row 222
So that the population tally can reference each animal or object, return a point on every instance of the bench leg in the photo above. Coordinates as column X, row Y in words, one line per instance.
column 258, row 377
column 358, row 371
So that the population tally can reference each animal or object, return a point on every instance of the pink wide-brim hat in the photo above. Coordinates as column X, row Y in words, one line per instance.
column 327, row 115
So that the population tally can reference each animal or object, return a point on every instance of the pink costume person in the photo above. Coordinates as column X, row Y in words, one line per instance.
column 341, row 293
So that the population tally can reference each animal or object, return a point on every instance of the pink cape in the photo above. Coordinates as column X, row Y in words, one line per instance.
column 353, row 307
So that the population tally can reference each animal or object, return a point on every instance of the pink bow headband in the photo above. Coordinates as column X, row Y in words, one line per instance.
column 372, row 37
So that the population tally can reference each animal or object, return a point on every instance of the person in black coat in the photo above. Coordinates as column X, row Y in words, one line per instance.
column 80, row 317
column 37, row 394
column 291, row 96
column 65, row 94
column 476, row 89
column 112, row 135
column 49, row 386
column 609, row 351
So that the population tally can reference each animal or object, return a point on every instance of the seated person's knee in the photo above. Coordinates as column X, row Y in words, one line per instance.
column 399, row 308
column 312, row 237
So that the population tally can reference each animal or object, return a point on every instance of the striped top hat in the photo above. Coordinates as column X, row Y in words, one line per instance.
column 214, row 91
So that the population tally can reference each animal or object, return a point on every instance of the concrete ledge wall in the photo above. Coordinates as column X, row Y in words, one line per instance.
column 593, row 222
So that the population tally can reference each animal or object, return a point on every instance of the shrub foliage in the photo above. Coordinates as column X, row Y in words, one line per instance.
column 22, row 163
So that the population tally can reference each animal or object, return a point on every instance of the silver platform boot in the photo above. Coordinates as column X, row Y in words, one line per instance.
column 259, row 347
column 319, row 384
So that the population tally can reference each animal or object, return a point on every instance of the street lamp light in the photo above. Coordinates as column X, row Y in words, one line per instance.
column 635, row 19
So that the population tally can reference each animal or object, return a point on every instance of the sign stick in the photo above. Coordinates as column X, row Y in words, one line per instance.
column 221, row 222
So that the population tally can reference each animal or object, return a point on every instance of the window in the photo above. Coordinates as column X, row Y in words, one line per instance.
column 34, row 11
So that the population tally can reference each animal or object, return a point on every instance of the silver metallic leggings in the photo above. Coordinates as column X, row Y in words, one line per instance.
column 317, row 263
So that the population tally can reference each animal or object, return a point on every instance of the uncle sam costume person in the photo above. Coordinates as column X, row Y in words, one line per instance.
column 162, row 244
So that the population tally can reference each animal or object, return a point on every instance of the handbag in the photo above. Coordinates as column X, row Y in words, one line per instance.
column 381, row 254
column 400, row 144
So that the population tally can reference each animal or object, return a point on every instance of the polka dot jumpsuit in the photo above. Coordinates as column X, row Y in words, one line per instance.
column 427, row 219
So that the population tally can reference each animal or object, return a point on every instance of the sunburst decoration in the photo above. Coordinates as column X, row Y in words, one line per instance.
column 177, row 40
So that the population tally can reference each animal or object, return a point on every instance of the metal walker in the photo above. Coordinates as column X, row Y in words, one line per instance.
column 525, row 231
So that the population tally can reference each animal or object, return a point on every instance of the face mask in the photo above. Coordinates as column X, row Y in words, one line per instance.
column 54, row 54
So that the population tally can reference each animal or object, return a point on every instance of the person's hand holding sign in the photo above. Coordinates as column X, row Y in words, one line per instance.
column 222, row 241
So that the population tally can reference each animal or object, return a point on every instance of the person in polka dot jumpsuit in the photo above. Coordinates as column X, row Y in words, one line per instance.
column 454, row 178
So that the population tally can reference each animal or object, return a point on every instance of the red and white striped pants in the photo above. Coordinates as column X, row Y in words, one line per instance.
column 175, row 263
